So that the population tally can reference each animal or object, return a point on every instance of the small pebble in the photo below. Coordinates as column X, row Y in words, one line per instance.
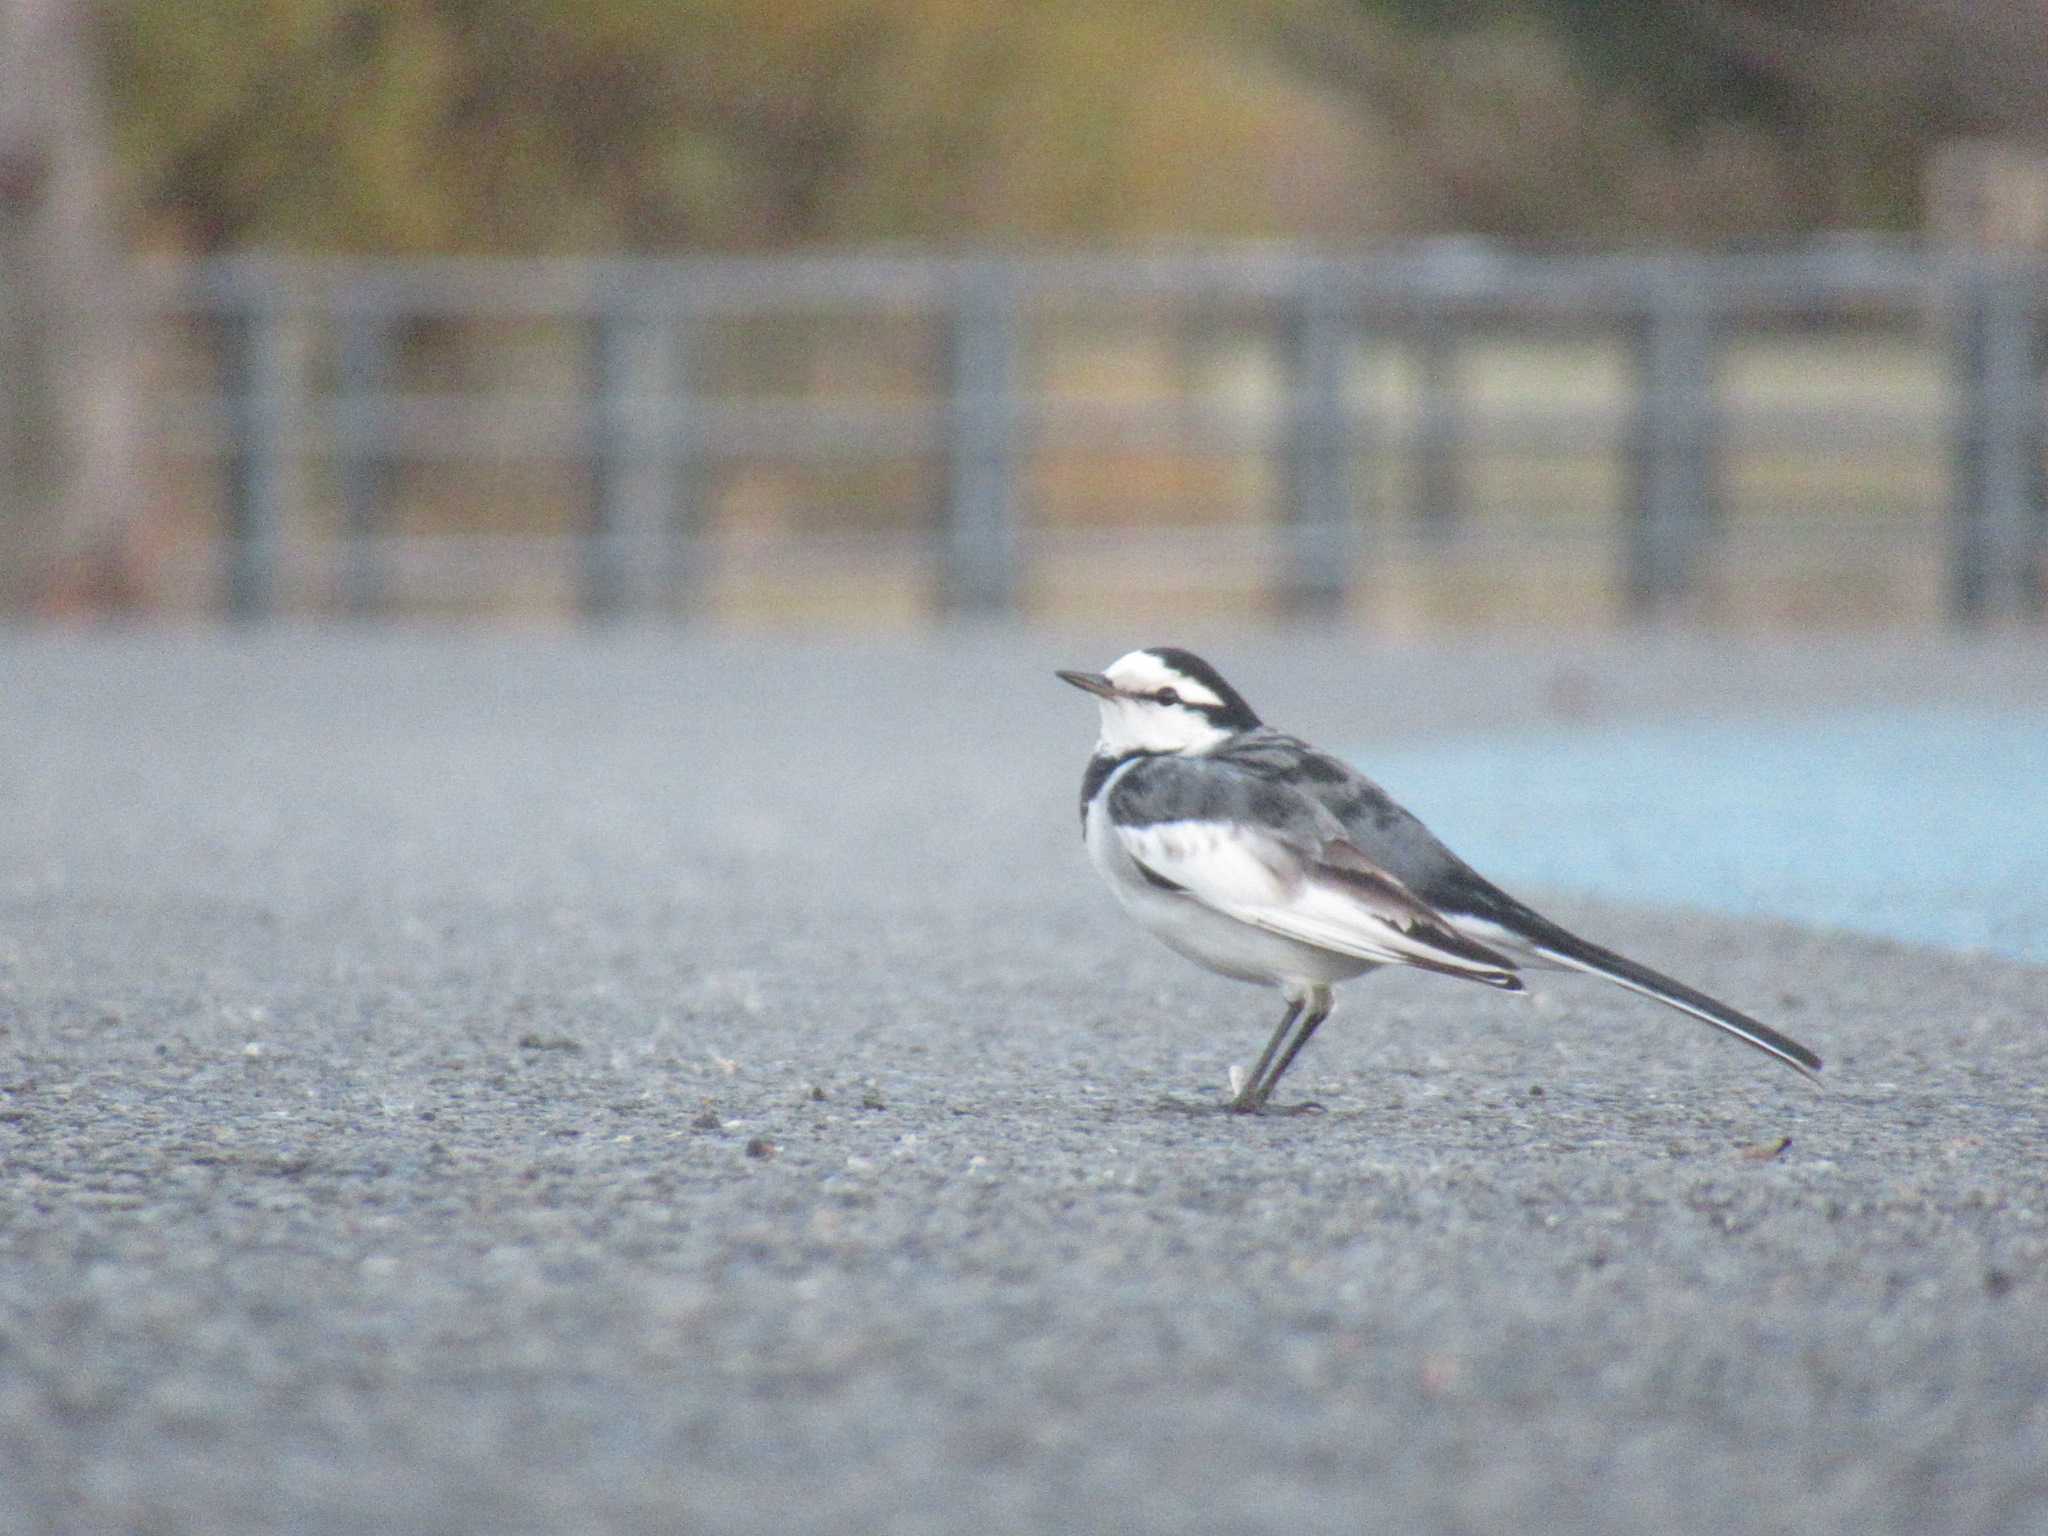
column 1765, row 1151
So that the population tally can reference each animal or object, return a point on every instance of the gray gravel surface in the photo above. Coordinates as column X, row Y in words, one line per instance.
column 457, row 1082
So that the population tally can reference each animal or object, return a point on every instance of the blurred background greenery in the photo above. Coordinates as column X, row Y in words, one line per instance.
column 149, row 137
column 658, row 125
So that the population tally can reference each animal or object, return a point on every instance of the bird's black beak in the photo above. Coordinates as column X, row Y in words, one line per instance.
column 1089, row 682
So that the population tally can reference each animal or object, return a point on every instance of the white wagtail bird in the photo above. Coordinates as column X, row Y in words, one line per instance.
column 1253, row 854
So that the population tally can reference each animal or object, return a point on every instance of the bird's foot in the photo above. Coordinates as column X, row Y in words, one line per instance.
column 1245, row 1104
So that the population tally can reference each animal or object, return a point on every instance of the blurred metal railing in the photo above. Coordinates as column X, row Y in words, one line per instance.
column 648, row 432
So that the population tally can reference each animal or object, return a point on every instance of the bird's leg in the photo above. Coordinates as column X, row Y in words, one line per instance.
column 1320, row 1003
column 1248, row 1099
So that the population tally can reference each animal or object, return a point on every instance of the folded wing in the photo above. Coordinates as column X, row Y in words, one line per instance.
column 1291, row 877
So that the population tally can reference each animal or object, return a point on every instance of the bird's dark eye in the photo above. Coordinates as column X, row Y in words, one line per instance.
column 1167, row 696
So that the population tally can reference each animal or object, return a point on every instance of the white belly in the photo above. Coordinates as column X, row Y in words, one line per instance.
column 1204, row 935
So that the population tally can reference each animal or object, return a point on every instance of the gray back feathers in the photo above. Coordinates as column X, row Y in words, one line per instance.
column 1307, row 797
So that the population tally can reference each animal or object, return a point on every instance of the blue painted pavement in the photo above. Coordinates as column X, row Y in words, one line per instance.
column 1926, row 825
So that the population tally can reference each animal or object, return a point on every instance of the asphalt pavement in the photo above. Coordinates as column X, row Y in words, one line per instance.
column 466, row 1081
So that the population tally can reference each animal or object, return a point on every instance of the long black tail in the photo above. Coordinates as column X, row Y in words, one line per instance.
column 1487, row 903
column 1555, row 943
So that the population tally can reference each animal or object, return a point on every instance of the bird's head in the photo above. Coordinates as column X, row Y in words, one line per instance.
column 1164, row 699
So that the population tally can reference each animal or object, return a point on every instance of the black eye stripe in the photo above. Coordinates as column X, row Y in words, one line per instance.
column 1167, row 696
column 1225, row 706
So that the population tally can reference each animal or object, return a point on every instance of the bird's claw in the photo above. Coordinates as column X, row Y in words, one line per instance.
column 1243, row 1105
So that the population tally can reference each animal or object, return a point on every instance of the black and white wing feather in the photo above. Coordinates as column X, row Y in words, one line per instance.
column 1269, row 856
column 1393, row 839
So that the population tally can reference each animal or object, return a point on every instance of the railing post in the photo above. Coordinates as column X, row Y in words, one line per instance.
column 1320, row 524
column 979, row 540
column 1675, row 430
column 627, row 546
column 365, row 457
column 1439, row 430
column 256, row 383
column 1996, row 511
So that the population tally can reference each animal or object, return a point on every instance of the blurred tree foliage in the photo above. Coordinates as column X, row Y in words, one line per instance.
column 580, row 125
column 1837, row 101
column 433, row 125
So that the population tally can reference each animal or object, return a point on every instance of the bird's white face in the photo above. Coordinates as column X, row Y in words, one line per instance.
column 1150, row 706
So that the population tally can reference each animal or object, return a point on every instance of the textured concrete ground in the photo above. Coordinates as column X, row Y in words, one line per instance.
column 465, row 1083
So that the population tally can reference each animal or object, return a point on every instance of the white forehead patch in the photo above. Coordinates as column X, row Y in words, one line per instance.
column 1142, row 672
